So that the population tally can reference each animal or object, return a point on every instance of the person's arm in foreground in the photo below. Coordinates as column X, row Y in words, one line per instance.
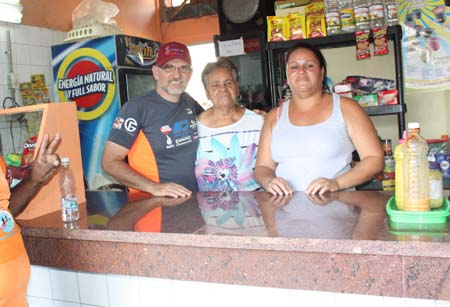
column 44, row 167
column 113, row 163
column 265, row 166
column 364, row 137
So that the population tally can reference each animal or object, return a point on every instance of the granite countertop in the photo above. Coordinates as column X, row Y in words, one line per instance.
column 342, row 243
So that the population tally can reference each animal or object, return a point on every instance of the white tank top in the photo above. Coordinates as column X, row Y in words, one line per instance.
column 304, row 153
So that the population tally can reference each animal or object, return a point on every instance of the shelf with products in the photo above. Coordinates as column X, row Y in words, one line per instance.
column 276, row 52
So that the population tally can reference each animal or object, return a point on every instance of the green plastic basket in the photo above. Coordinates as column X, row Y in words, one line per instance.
column 434, row 216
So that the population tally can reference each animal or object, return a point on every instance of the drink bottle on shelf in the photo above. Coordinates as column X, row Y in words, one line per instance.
column 376, row 14
column 361, row 15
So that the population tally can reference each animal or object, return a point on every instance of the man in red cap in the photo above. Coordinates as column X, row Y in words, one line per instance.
column 157, row 132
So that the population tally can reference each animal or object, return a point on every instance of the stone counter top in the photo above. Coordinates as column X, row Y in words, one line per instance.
column 341, row 243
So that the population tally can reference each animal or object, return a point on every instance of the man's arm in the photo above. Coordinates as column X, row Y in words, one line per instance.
column 44, row 167
column 113, row 163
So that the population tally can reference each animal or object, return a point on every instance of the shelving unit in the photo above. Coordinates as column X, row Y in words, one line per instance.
column 276, row 52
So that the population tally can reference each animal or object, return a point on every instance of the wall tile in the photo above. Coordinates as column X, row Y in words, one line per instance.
column 39, row 284
column 24, row 54
column 267, row 297
column 412, row 302
column 22, row 73
column 93, row 289
column 123, row 291
column 4, row 74
column 39, row 302
column 64, row 285
column 156, row 291
column 3, row 55
column 65, row 304
column 357, row 300
column 311, row 298
column 24, row 35
column 2, row 93
column 3, row 30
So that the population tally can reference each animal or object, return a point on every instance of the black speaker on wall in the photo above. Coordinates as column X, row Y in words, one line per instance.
column 244, row 16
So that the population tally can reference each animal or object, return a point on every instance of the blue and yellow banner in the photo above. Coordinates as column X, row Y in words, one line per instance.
column 426, row 44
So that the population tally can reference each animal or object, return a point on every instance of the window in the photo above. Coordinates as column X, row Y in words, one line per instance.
column 201, row 55
column 173, row 10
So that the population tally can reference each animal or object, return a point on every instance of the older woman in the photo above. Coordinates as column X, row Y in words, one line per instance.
column 307, row 143
column 228, row 134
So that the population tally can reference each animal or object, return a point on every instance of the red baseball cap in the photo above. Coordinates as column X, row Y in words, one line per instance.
column 173, row 50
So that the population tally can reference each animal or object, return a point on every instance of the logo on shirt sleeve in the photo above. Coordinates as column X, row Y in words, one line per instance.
column 130, row 124
column 118, row 122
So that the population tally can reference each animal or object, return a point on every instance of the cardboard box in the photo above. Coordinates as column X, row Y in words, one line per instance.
column 388, row 97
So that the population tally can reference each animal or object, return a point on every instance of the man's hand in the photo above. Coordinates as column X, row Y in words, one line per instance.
column 170, row 189
column 47, row 161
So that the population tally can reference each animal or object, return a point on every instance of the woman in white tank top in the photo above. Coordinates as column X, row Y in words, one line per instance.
column 307, row 143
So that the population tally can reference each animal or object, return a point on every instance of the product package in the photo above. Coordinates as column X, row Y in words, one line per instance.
column 275, row 29
column 362, row 44
column 380, row 44
column 296, row 26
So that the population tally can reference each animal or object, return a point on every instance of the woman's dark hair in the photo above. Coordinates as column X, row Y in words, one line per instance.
column 319, row 56
column 222, row 62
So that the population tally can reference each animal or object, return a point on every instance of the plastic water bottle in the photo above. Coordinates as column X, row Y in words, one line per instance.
column 361, row 15
column 332, row 17
column 391, row 12
column 347, row 15
column 376, row 13
column 399, row 181
column 69, row 202
column 415, row 171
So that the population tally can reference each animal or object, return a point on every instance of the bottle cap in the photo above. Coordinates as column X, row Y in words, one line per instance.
column 413, row 126
column 65, row 160
column 433, row 165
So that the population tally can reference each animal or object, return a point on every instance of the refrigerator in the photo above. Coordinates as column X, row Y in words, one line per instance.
column 100, row 75
column 248, row 53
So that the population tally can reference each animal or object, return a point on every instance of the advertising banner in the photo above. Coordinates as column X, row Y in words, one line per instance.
column 85, row 72
column 426, row 44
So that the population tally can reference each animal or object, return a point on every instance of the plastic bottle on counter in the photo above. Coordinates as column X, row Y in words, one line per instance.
column 332, row 17
column 436, row 186
column 67, row 186
column 415, row 171
column 399, row 181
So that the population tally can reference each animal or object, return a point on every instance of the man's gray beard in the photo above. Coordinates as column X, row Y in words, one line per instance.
column 174, row 92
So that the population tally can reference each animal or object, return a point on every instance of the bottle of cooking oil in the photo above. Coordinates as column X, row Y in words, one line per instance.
column 415, row 171
column 398, row 156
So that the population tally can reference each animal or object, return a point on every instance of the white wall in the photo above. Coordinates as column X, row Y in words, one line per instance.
column 430, row 109
column 31, row 53
column 51, row 287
